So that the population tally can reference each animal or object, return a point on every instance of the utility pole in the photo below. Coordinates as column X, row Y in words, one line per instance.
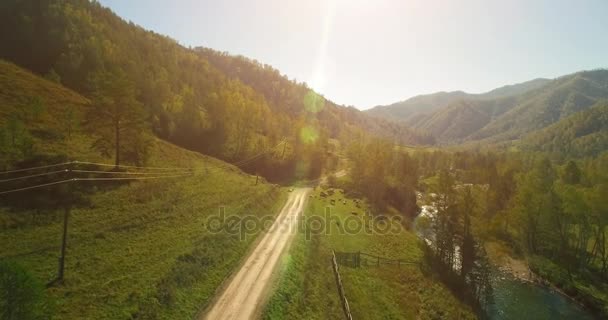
column 117, row 133
column 284, row 145
column 66, row 216
column 64, row 239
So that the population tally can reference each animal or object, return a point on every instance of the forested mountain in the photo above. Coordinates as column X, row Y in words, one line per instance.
column 152, row 83
column 514, row 89
column 544, row 106
column 422, row 106
column 504, row 114
column 583, row 134
column 284, row 95
column 411, row 109
column 458, row 120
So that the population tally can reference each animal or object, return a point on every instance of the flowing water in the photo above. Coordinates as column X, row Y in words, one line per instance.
column 518, row 300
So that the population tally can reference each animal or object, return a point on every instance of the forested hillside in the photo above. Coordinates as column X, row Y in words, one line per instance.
column 412, row 109
column 501, row 115
column 423, row 106
column 123, row 249
column 457, row 121
column 542, row 107
column 514, row 89
column 283, row 95
column 583, row 134
column 176, row 93
column 36, row 116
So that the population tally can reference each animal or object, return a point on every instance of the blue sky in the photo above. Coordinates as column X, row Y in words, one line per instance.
column 370, row 52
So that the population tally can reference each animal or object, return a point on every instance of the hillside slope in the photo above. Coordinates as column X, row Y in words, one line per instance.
column 515, row 89
column 583, row 134
column 189, row 101
column 283, row 95
column 547, row 105
column 135, row 250
column 507, row 113
column 418, row 105
column 457, row 120
column 36, row 115
column 411, row 110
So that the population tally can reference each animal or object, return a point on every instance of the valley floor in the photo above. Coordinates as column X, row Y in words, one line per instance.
column 307, row 288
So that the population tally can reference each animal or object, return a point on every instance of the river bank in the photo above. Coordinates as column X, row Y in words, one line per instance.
column 512, row 268
column 503, row 259
column 523, row 288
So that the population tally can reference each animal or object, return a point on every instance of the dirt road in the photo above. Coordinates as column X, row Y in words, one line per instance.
column 245, row 292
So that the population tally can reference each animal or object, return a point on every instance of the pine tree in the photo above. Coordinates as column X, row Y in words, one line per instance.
column 116, row 113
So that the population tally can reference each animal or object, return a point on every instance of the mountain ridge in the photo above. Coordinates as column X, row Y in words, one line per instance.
column 504, row 114
column 428, row 103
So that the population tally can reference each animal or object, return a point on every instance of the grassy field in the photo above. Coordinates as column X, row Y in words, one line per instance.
column 137, row 250
column 144, row 248
column 307, row 288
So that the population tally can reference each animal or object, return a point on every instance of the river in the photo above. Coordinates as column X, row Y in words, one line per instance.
column 518, row 300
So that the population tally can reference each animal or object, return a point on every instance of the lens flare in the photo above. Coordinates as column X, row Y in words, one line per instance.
column 313, row 102
column 309, row 135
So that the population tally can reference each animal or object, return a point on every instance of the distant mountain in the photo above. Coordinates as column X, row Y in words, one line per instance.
column 514, row 89
column 416, row 106
column 503, row 114
column 414, row 109
column 542, row 107
column 465, row 117
column 582, row 134
column 459, row 119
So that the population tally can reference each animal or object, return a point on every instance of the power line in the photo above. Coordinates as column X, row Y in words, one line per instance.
column 35, row 175
column 35, row 168
column 93, row 179
column 246, row 161
column 160, row 175
column 36, row 186
column 127, row 166
column 127, row 173
column 131, row 178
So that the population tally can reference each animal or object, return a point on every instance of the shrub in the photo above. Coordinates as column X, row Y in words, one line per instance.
column 21, row 296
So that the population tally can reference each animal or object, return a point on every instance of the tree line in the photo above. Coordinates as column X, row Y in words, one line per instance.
column 551, row 211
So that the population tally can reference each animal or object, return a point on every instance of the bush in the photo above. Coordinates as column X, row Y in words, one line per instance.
column 21, row 296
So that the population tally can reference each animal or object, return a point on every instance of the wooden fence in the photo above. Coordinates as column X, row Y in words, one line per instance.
column 356, row 260
column 343, row 299
column 361, row 259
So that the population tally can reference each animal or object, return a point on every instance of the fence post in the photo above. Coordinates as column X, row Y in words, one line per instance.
column 345, row 306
